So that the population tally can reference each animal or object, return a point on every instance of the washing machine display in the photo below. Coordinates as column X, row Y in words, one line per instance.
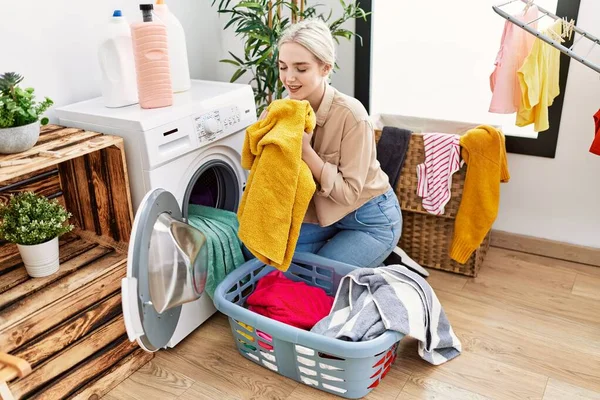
column 212, row 125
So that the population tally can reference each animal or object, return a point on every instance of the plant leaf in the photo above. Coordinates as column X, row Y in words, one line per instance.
column 236, row 58
column 237, row 75
column 249, row 4
column 237, row 64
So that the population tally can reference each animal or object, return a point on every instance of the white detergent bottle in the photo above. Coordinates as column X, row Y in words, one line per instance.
column 180, row 69
column 115, row 54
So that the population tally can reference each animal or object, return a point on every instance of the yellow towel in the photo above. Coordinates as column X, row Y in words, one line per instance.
column 484, row 152
column 280, row 185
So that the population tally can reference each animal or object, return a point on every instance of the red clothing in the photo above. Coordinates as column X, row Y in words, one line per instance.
column 595, row 148
column 290, row 302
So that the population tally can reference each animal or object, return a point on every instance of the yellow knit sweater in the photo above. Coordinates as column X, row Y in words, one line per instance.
column 484, row 152
column 280, row 185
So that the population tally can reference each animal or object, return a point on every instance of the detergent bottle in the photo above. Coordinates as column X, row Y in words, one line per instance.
column 115, row 54
column 180, row 70
column 151, row 55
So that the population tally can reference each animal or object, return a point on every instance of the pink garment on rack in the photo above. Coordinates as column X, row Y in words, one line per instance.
column 515, row 46
column 434, row 176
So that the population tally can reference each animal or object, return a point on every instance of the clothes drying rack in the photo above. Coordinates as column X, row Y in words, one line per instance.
column 568, row 51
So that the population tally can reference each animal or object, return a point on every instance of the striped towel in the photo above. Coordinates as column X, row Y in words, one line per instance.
column 434, row 176
column 370, row 301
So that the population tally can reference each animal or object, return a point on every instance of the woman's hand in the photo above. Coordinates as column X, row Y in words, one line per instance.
column 310, row 157
column 306, row 145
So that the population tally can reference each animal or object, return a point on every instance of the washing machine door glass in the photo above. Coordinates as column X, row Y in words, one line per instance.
column 167, row 267
column 177, row 263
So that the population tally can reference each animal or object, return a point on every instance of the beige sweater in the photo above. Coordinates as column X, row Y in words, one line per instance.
column 345, row 140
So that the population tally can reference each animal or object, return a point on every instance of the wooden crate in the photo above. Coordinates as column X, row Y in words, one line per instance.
column 69, row 326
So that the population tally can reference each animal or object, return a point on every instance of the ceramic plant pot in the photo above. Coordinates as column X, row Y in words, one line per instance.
column 40, row 259
column 19, row 138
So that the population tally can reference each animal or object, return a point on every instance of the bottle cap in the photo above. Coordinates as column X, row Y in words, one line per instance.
column 160, row 1
column 117, row 13
column 146, row 7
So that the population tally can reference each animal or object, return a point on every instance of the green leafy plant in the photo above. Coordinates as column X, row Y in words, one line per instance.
column 18, row 106
column 260, row 24
column 28, row 218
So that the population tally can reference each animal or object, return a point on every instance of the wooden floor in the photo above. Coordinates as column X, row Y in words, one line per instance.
column 529, row 326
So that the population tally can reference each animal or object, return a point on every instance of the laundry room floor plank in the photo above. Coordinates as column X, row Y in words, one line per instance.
column 206, row 392
column 526, row 323
column 152, row 382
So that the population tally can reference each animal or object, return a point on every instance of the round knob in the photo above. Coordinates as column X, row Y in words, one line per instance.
column 211, row 125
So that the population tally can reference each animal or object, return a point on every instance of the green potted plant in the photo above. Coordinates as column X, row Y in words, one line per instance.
column 34, row 223
column 260, row 23
column 19, row 115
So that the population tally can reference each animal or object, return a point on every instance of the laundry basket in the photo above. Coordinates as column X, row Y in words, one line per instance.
column 347, row 369
column 427, row 238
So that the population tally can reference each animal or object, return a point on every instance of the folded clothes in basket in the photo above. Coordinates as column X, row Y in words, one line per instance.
column 371, row 301
column 293, row 303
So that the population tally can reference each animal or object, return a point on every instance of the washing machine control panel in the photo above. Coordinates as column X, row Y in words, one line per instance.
column 217, row 123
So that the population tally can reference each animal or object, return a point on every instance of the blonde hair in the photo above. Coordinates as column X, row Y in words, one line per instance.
column 314, row 35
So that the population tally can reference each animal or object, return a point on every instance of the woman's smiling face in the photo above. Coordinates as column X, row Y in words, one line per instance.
column 300, row 72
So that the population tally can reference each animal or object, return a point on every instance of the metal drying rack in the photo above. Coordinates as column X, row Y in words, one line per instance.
column 568, row 51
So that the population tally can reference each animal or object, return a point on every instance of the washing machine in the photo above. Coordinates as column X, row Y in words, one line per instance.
column 187, row 153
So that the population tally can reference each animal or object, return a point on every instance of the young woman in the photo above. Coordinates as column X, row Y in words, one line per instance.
column 354, row 216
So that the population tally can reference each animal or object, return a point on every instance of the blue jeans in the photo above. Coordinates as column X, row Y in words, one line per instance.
column 364, row 238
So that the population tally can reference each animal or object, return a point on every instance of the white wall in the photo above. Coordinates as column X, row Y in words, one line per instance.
column 54, row 43
column 438, row 67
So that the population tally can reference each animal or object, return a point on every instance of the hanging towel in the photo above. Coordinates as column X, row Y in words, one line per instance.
column 391, row 151
column 484, row 152
column 280, row 185
column 595, row 147
column 224, row 248
column 370, row 301
column 539, row 81
column 291, row 302
column 515, row 46
column 434, row 176
column 228, row 223
column 216, row 260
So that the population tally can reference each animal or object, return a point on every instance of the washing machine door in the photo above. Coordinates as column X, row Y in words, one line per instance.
column 167, row 265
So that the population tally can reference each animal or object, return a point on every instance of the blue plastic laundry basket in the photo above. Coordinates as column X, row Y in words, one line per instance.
column 347, row 369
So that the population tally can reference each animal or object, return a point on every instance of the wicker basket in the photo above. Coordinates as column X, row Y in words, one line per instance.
column 426, row 238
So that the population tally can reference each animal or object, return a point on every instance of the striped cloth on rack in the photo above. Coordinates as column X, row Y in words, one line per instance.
column 370, row 301
column 434, row 176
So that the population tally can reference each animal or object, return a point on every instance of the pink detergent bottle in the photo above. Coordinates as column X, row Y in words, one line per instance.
column 150, row 49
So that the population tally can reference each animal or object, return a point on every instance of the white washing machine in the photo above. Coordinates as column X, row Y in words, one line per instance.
column 187, row 153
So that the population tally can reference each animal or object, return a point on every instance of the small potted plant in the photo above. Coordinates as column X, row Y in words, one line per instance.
column 19, row 115
column 34, row 223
